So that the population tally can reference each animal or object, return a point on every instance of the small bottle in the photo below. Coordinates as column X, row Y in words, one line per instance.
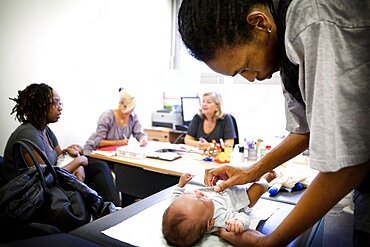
column 241, row 154
column 252, row 152
column 237, row 156
column 261, row 151
column 268, row 148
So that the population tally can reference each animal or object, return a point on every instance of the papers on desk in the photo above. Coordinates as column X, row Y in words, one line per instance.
column 105, row 153
column 132, row 152
column 168, row 156
column 154, row 149
column 144, row 228
column 157, row 150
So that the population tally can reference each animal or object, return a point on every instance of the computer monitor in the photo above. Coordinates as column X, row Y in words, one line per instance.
column 189, row 107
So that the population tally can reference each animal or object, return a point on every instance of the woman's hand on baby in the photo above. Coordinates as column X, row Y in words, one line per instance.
column 246, row 238
column 229, row 174
column 184, row 179
column 235, row 225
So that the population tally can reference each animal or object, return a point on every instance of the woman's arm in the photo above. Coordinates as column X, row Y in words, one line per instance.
column 137, row 130
column 80, row 173
column 190, row 140
column 202, row 144
column 290, row 147
column 106, row 143
column 76, row 163
column 322, row 194
column 105, row 124
column 229, row 142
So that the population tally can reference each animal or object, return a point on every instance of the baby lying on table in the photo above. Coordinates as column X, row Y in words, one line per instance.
column 191, row 214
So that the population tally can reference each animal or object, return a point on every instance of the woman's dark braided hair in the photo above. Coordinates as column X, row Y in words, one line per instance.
column 206, row 26
column 32, row 104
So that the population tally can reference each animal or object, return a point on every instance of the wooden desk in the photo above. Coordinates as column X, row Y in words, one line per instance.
column 140, row 178
column 190, row 163
column 164, row 134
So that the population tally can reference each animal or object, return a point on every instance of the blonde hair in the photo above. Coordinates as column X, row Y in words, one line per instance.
column 216, row 97
column 126, row 99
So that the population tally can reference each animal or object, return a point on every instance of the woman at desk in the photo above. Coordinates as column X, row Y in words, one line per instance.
column 210, row 124
column 36, row 107
column 115, row 126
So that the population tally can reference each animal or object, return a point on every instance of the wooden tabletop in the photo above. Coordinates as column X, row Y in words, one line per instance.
column 188, row 163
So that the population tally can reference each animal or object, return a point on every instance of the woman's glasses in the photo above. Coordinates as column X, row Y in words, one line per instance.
column 57, row 103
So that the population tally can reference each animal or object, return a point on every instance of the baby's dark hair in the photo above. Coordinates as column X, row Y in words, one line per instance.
column 33, row 104
column 179, row 230
column 206, row 26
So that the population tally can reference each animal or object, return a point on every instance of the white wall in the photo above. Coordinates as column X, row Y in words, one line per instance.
column 87, row 49
column 258, row 107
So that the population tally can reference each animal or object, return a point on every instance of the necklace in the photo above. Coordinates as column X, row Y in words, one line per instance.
column 210, row 124
column 121, row 121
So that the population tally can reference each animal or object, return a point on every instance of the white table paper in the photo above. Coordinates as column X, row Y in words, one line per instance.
column 144, row 228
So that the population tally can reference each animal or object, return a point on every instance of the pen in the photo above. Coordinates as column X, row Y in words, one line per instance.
column 123, row 136
column 216, row 145
column 222, row 142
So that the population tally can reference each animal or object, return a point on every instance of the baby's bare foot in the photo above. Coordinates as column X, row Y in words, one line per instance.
column 270, row 176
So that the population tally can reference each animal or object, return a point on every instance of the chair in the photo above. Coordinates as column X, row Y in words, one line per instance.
column 2, row 182
column 236, row 140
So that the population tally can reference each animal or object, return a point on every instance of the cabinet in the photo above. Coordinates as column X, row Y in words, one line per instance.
column 165, row 134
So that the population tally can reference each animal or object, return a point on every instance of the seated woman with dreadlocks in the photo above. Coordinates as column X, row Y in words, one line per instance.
column 36, row 107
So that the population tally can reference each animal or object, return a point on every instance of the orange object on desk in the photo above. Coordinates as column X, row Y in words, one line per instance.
column 221, row 162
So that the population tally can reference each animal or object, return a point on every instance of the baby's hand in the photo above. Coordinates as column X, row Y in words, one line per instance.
column 184, row 179
column 235, row 225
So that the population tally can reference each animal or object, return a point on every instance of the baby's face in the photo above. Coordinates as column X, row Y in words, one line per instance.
column 197, row 204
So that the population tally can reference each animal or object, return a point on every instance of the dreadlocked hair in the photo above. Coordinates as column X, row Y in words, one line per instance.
column 32, row 104
column 206, row 26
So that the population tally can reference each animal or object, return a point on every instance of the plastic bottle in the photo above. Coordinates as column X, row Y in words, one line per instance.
column 241, row 154
column 261, row 150
column 237, row 156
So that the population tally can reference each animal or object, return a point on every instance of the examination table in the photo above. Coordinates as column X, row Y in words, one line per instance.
column 93, row 230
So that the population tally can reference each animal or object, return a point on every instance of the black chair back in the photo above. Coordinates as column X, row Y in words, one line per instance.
column 2, row 182
column 236, row 140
